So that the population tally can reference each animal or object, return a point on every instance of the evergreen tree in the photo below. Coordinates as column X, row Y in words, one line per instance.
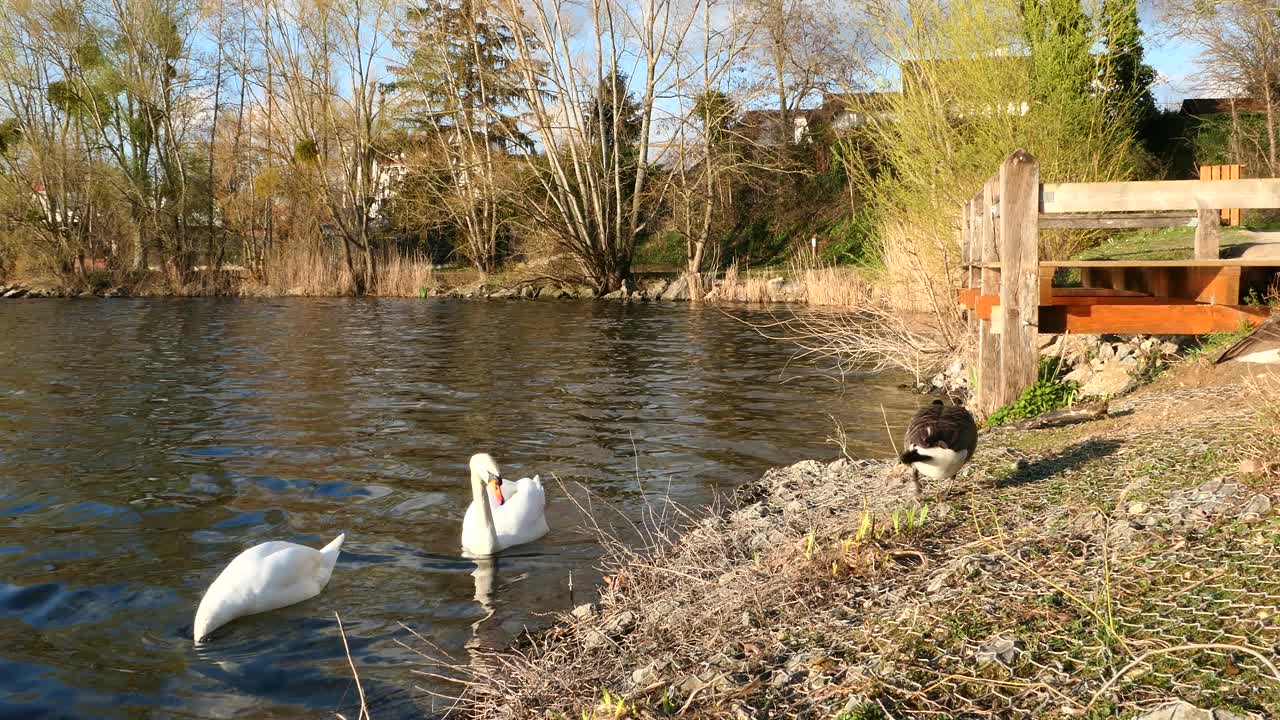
column 460, row 71
column 1126, row 79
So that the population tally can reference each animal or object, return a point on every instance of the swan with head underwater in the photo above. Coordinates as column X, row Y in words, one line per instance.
column 267, row 576
column 502, row 513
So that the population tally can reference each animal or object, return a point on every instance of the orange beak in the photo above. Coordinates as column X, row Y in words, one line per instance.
column 496, row 485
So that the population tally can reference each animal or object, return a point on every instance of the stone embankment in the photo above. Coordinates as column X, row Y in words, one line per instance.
column 18, row 292
column 1100, row 365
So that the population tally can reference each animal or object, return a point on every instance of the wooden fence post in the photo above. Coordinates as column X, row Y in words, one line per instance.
column 1208, row 238
column 988, row 250
column 1019, row 275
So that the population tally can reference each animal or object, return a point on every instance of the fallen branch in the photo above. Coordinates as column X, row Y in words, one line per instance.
column 1066, row 416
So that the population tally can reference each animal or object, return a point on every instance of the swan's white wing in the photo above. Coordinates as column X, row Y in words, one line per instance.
column 522, row 518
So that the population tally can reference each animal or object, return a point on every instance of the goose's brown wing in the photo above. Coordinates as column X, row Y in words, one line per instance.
column 1264, row 337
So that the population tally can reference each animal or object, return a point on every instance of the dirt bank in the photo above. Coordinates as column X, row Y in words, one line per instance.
column 1097, row 570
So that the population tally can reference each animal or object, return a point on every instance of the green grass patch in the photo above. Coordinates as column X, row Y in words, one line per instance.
column 662, row 251
column 1216, row 342
column 1047, row 394
column 1154, row 244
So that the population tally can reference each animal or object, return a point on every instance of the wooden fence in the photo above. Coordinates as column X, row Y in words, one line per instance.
column 1229, row 216
column 1012, row 296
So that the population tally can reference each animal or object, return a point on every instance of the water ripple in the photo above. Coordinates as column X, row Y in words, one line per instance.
column 144, row 443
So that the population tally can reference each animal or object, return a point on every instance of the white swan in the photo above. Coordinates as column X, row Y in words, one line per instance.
column 508, row 514
column 265, row 577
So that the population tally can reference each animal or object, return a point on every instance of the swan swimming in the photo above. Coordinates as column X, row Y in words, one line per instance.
column 508, row 514
column 265, row 577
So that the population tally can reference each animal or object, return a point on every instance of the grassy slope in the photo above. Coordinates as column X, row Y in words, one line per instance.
column 1099, row 551
column 1155, row 244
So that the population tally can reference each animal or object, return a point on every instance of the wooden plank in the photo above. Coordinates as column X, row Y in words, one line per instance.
column 1208, row 240
column 984, row 306
column 988, row 365
column 968, row 297
column 1181, row 319
column 1233, row 214
column 1159, row 195
column 1216, row 286
column 1046, row 285
column 1116, row 220
column 1019, row 224
column 1115, row 300
column 1095, row 292
column 1224, row 262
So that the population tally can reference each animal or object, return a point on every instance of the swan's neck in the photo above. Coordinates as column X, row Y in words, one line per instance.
column 481, row 496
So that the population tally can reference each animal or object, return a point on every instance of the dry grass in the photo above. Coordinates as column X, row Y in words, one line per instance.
column 401, row 275
column 805, row 281
column 307, row 272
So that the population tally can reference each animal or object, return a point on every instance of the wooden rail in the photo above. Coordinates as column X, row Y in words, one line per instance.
column 1011, row 296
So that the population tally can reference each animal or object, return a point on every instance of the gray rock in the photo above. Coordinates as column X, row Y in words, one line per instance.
column 1080, row 375
column 654, row 288
column 615, row 295
column 1088, row 523
column 503, row 293
column 1111, row 380
column 15, row 293
column 1179, row 710
column 584, row 611
column 1004, row 650
column 1258, row 507
column 594, row 639
column 677, row 290
column 1168, row 349
column 642, row 677
column 620, row 624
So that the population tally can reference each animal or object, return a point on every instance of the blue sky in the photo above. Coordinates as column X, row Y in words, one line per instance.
column 1174, row 60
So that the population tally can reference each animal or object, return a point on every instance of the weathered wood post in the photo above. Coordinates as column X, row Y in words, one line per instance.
column 1208, row 239
column 988, row 250
column 1019, row 223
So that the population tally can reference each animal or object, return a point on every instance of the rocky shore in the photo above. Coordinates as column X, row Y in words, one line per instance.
column 18, row 292
column 1123, row 567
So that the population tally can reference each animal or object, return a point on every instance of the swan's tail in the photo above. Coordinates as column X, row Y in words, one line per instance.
column 330, row 558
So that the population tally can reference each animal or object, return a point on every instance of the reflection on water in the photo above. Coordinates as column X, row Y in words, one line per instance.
column 144, row 443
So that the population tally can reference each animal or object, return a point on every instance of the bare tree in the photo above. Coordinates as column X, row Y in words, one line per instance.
column 330, row 56
column 1240, row 40
column 593, row 115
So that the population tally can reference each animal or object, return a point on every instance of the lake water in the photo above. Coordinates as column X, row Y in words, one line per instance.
column 144, row 443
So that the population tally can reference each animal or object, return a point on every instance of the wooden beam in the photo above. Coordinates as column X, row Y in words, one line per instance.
column 1208, row 239
column 1159, row 195
column 1095, row 292
column 1149, row 319
column 1223, row 262
column 968, row 297
column 1216, row 286
column 1019, row 224
column 1114, row 300
column 988, row 365
column 1116, row 221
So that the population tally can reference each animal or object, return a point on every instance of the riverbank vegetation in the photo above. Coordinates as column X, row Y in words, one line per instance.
column 246, row 146
column 1096, row 570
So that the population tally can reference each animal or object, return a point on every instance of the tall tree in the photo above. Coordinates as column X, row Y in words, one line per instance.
column 1240, row 53
column 461, row 94
column 1126, row 78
